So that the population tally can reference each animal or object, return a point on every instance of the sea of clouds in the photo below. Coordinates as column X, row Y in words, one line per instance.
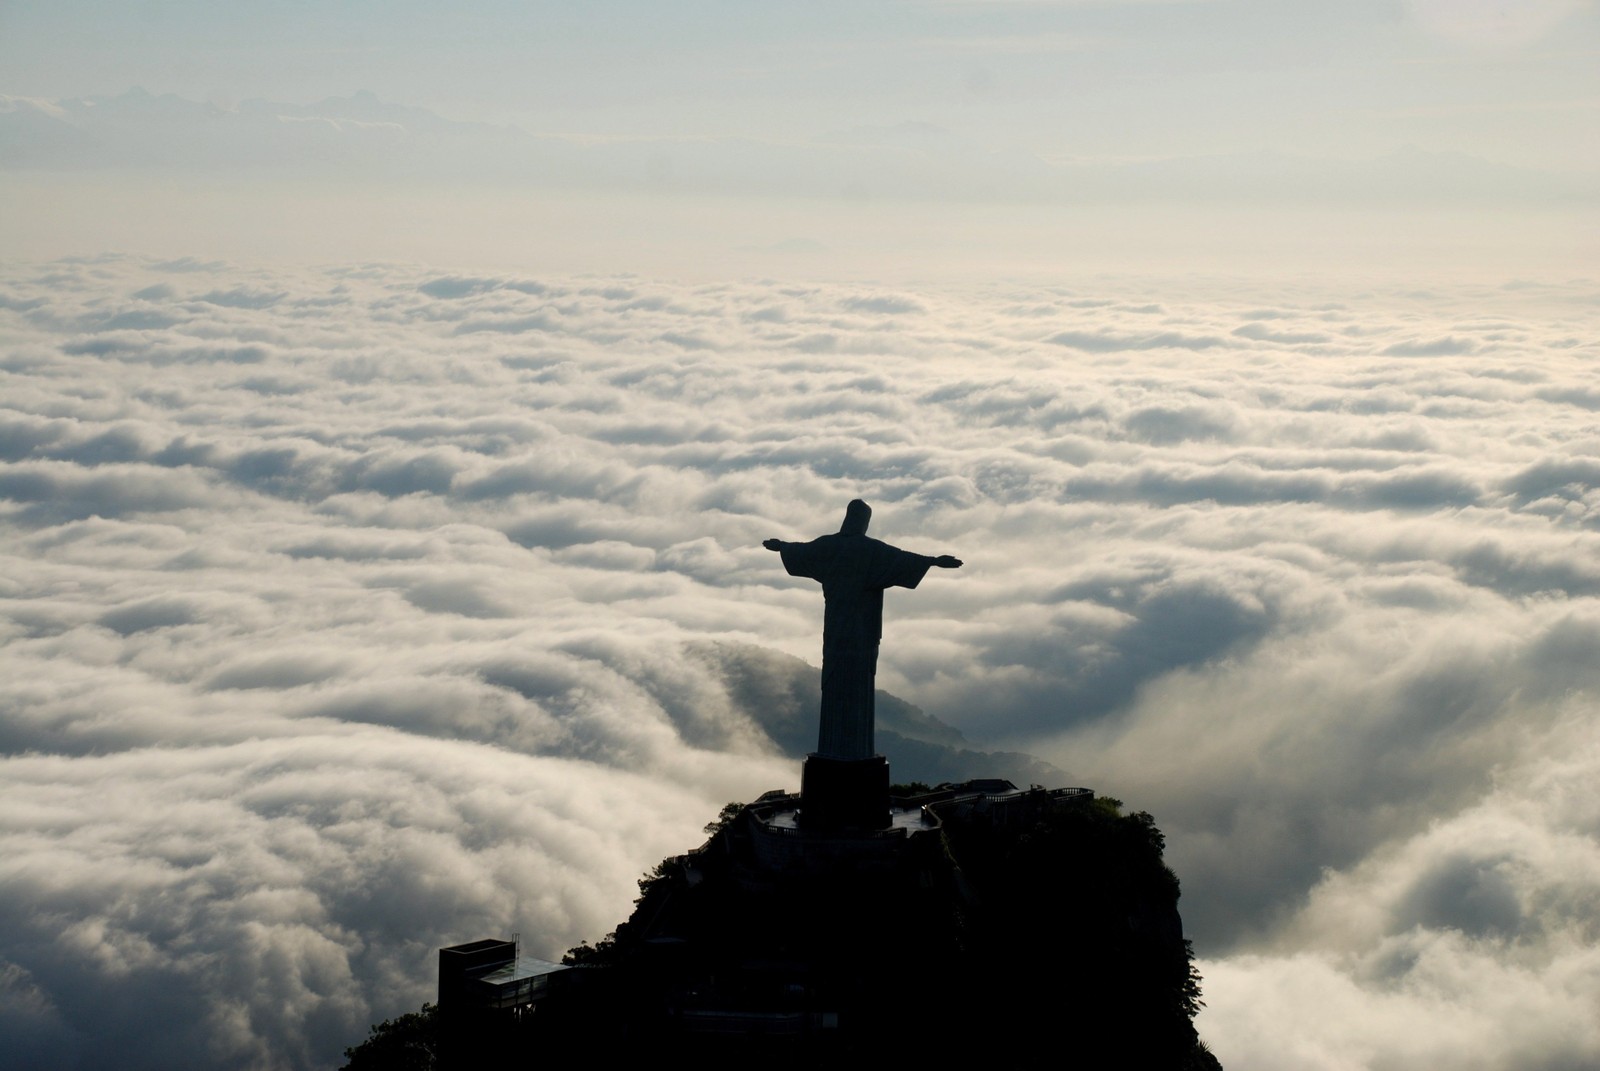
column 350, row 612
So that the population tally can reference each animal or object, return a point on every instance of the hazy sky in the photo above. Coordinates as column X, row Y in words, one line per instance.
column 931, row 115
column 393, row 399
column 1514, row 82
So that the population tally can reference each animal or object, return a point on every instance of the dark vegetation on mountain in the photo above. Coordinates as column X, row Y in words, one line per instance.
column 407, row 1042
column 1056, row 942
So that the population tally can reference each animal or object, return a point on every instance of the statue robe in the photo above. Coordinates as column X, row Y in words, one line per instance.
column 853, row 571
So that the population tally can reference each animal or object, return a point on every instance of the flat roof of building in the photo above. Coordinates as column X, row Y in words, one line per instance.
column 525, row 967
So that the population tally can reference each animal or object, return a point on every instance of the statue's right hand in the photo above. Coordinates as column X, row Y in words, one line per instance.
column 772, row 544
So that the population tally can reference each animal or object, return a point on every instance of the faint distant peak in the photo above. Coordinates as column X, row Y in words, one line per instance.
column 9, row 104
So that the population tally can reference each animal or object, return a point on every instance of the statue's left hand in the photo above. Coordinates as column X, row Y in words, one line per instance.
column 945, row 561
column 772, row 544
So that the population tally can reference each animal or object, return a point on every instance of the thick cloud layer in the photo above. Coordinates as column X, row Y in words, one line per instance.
column 348, row 613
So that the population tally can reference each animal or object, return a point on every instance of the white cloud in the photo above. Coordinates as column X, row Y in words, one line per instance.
column 344, row 614
column 1470, row 942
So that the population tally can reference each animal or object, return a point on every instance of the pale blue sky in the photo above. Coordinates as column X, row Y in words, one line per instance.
column 1513, row 83
column 859, row 127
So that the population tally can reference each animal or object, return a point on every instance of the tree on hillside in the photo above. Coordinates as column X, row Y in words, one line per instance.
column 407, row 1043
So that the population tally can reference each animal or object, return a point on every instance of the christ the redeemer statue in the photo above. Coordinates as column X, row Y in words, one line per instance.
column 853, row 570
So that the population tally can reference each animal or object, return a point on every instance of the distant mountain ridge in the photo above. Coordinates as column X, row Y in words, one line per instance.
column 141, row 130
column 783, row 696
column 362, row 136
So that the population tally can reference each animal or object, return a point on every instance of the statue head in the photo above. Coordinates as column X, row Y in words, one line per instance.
column 857, row 516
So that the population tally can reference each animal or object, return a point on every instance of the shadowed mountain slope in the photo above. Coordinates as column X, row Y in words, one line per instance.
column 783, row 695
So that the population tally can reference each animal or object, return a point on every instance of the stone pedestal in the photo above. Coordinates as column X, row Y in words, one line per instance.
column 844, row 793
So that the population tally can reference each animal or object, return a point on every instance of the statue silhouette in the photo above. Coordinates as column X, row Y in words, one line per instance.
column 853, row 570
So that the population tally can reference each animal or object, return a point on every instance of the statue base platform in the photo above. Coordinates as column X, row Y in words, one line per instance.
column 844, row 793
